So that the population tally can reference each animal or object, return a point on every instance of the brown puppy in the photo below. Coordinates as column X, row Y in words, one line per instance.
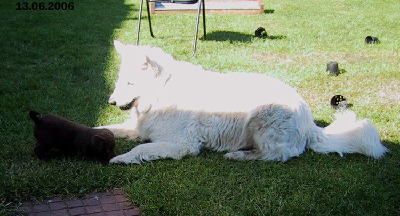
column 54, row 133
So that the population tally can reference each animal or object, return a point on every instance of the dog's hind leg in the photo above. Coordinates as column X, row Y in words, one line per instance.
column 272, row 134
column 253, row 154
column 156, row 151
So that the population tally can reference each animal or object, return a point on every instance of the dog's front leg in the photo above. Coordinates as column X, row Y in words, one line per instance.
column 124, row 130
column 42, row 151
column 156, row 151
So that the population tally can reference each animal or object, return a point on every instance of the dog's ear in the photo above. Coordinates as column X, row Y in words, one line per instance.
column 97, row 142
column 35, row 115
column 158, row 61
column 158, row 70
column 155, row 67
column 120, row 47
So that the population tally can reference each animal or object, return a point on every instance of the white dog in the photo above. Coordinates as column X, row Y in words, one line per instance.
column 182, row 108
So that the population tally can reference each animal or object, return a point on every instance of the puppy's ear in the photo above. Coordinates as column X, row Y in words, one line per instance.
column 97, row 142
column 35, row 115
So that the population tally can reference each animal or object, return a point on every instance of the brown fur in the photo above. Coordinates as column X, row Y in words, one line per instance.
column 58, row 136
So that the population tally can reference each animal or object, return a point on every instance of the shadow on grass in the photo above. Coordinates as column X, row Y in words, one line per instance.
column 229, row 36
column 321, row 123
column 269, row 11
column 53, row 62
column 232, row 36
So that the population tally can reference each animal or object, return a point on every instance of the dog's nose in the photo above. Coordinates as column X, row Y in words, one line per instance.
column 111, row 101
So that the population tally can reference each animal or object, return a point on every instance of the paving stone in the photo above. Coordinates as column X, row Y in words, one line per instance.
column 57, row 206
column 91, row 201
column 77, row 211
column 98, row 214
column 41, row 208
column 113, row 203
column 93, row 209
column 62, row 212
column 115, row 213
column 74, row 203
column 42, row 214
column 120, row 198
column 132, row 212
column 110, row 207
column 107, row 199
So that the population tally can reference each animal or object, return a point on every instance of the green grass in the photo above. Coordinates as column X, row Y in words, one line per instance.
column 63, row 62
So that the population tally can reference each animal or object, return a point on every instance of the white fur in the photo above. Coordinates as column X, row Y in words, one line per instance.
column 182, row 108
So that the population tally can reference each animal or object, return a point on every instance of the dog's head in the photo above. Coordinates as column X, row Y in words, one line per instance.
column 142, row 75
column 101, row 146
column 58, row 136
column 43, row 140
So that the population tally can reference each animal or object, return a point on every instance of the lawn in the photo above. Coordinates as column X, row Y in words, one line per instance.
column 62, row 62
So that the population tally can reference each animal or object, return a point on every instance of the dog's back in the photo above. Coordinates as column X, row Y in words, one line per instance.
column 55, row 122
column 52, row 131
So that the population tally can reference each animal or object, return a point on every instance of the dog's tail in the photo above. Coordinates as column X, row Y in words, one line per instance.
column 347, row 135
column 35, row 116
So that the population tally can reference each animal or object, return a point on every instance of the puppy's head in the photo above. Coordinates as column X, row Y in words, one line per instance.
column 35, row 115
column 102, row 145
column 52, row 130
column 39, row 129
column 41, row 149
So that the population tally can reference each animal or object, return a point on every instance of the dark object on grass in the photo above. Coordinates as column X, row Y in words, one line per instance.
column 339, row 102
column 261, row 33
column 371, row 40
column 332, row 68
column 57, row 136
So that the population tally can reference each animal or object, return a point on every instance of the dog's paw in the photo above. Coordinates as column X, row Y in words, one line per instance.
column 125, row 134
column 239, row 155
column 124, row 130
column 124, row 159
column 132, row 135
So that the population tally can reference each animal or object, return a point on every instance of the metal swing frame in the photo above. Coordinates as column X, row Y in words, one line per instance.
column 200, row 8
